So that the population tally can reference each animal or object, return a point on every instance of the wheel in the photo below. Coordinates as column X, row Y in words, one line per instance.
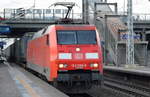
column 55, row 83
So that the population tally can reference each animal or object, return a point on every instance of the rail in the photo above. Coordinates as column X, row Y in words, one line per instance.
column 134, row 85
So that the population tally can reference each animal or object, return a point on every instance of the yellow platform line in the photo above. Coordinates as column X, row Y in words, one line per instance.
column 29, row 89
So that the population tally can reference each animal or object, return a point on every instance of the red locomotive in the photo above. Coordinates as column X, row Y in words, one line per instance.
column 66, row 53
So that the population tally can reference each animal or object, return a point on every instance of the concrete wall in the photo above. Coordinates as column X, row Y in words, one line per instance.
column 140, row 54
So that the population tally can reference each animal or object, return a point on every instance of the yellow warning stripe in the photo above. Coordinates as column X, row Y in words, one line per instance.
column 29, row 89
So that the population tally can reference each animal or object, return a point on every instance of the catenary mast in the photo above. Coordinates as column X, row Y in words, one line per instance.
column 130, row 38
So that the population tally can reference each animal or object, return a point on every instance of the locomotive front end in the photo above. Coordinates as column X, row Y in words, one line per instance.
column 79, row 55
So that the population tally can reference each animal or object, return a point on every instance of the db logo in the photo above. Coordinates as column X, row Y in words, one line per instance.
column 78, row 56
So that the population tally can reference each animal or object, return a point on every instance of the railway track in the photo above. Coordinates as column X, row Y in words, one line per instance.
column 119, row 87
column 128, row 88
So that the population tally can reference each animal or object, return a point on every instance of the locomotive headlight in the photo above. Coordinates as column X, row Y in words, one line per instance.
column 65, row 56
column 95, row 65
column 77, row 49
column 62, row 65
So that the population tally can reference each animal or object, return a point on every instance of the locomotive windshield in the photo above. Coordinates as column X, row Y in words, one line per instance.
column 76, row 37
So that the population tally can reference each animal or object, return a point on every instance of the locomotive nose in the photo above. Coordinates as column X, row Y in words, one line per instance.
column 78, row 52
column 75, row 57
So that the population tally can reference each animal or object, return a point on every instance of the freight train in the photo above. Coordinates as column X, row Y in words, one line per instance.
column 16, row 52
column 65, row 54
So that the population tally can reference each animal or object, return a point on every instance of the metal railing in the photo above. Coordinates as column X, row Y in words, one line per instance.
column 138, row 16
column 38, row 14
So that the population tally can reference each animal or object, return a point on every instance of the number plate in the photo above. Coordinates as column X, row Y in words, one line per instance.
column 79, row 66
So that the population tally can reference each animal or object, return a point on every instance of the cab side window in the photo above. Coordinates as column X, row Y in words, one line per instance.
column 47, row 39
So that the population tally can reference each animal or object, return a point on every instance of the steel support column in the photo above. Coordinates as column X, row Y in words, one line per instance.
column 130, row 39
column 85, row 11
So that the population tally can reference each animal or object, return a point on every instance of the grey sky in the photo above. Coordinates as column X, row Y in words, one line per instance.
column 140, row 6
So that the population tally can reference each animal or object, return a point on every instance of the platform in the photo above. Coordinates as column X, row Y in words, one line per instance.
column 137, row 70
column 8, row 87
column 16, row 82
